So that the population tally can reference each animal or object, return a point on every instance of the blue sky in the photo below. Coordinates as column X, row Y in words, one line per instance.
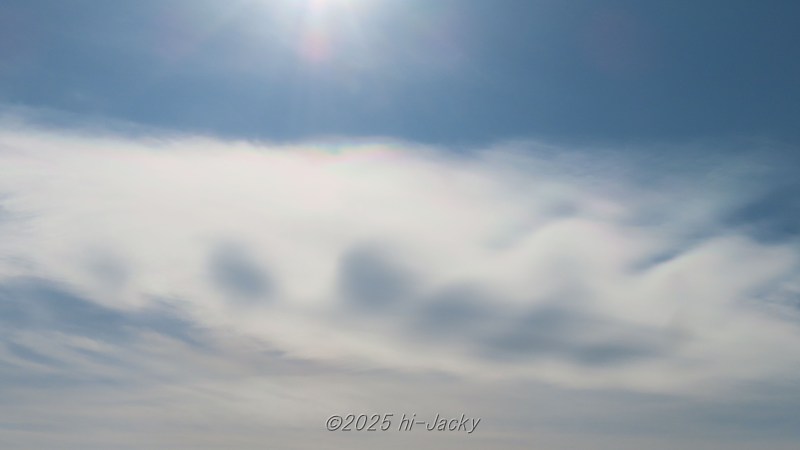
column 222, row 222
column 444, row 72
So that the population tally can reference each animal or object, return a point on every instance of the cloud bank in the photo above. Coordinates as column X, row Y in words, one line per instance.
column 238, row 266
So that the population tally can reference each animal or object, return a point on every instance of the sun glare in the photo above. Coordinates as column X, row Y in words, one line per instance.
column 327, row 27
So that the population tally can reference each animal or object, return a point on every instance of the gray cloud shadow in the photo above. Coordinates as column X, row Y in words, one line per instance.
column 469, row 315
column 369, row 280
column 566, row 334
column 235, row 274
column 454, row 312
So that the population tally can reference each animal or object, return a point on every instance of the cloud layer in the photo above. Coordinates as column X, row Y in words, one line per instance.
column 204, row 261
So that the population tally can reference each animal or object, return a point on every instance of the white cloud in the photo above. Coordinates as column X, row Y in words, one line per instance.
column 126, row 220
column 505, row 263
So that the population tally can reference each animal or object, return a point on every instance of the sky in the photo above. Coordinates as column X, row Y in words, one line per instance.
column 573, row 224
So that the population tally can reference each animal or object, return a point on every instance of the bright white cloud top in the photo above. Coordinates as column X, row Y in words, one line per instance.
column 125, row 257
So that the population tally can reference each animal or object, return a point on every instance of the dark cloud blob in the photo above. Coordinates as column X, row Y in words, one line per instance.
column 461, row 314
column 582, row 338
column 456, row 311
column 237, row 275
column 369, row 279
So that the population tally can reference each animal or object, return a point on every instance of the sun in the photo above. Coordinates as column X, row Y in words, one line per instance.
column 326, row 35
column 328, row 28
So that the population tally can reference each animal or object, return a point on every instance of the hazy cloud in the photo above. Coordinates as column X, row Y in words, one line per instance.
column 518, row 262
